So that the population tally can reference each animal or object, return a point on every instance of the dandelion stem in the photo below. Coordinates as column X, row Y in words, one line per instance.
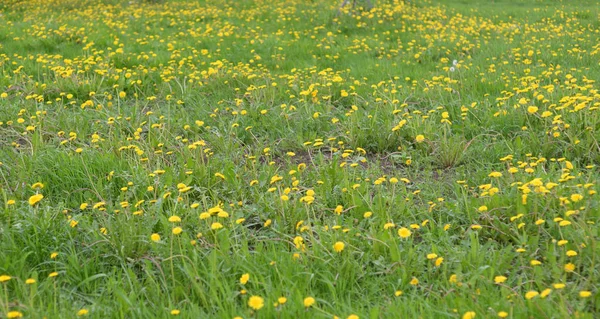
column 6, row 298
column 171, row 261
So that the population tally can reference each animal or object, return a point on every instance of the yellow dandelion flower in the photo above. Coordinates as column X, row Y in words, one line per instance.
column 37, row 185
column 404, row 232
column 35, row 199
column 14, row 314
column 570, row 267
column 244, row 278
column 339, row 247
column 571, row 253
column 309, row 301
column 469, row 315
column 499, row 279
column 256, row 302
column 532, row 109
column 545, row 292
column 531, row 294
column 174, row 219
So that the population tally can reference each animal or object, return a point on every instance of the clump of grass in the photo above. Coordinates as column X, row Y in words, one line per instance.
column 451, row 152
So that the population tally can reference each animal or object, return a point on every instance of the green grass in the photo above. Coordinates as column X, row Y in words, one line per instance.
column 253, row 136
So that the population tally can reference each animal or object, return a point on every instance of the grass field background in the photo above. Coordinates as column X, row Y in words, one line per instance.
column 288, row 159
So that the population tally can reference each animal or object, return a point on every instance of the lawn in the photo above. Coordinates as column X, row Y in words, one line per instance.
column 288, row 159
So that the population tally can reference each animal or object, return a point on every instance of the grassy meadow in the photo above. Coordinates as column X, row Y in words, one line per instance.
column 288, row 159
